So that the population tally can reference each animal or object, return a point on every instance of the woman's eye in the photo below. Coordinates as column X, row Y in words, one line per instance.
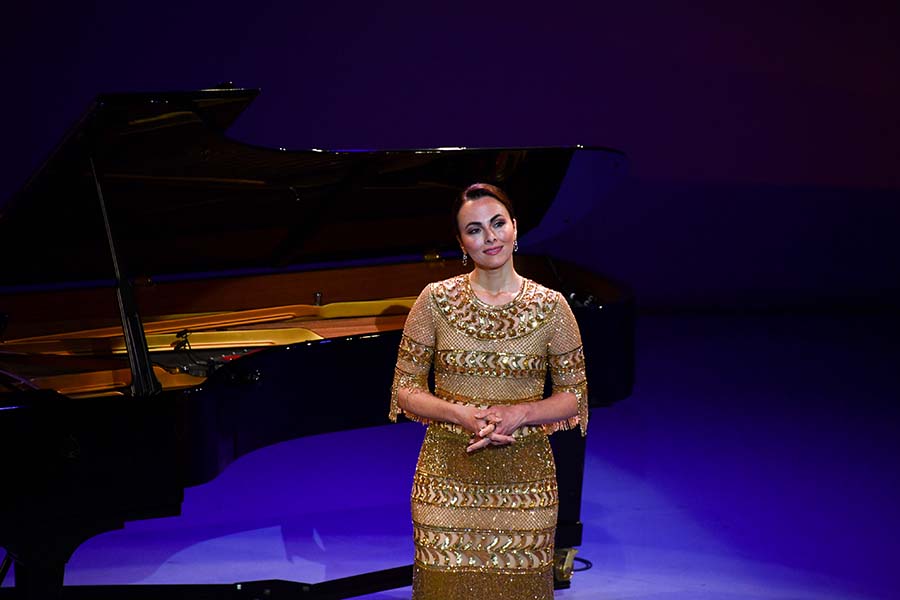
column 473, row 231
column 499, row 224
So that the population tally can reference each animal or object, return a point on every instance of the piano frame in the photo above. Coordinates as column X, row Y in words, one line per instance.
column 145, row 372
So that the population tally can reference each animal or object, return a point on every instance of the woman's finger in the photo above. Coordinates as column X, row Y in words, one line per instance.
column 501, row 440
column 477, row 445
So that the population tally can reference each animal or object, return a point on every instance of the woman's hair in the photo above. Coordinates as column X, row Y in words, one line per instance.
column 476, row 191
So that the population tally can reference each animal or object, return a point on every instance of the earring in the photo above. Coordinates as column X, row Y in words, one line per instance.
column 465, row 259
column 515, row 245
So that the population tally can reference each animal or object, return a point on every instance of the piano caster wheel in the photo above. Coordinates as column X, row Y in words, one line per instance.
column 564, row 565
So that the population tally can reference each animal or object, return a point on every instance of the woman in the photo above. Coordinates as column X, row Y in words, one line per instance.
column 484, row 498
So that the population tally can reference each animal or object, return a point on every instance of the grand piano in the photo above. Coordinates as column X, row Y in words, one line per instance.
column 165, row 291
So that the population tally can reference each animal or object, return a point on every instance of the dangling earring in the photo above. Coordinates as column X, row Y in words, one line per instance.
column 515, row 245
column 465, row 258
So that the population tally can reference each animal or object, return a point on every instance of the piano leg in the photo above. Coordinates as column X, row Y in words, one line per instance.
column 568, row 451
column 41, row 553
column 40, row 579
column 4, row 567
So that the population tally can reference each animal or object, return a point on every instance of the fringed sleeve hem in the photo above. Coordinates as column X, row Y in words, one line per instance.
column 409, row 381
column 579, row 420
column 567, row 370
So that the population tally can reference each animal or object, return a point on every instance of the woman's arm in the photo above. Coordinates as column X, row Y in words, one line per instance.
column 428, row 406
column 557, row 407
column 507, row 418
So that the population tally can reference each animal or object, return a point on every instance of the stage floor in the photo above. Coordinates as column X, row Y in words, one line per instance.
column 756, row 459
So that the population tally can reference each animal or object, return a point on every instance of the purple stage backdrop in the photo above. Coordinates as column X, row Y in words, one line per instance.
column 765, row 168
column 765, row 176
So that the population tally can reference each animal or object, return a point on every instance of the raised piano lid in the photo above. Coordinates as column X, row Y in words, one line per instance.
column 185, row 199
column 188, row 205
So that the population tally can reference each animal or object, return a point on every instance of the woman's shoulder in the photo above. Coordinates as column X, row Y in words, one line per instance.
column 542, row 290
column 447, row 287
column 535, row 293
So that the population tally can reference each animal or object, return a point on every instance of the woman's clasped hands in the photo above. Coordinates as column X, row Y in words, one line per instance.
column 495, row 426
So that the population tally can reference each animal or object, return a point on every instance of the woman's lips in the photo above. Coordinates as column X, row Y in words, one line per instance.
column 493, row 251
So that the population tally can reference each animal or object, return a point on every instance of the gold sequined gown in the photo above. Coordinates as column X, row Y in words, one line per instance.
column 484, row 522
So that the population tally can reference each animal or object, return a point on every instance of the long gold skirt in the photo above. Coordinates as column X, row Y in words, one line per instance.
column 483, row 522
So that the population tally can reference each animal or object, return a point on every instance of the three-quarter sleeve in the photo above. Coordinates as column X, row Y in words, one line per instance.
column 566, row 363
column 416, row 353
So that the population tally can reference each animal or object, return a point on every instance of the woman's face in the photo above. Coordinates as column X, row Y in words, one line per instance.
column 486, row 232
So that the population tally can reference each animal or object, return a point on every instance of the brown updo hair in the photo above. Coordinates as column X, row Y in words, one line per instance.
column 476, row 191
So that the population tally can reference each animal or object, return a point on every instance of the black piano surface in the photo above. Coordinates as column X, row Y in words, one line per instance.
column 146, row 209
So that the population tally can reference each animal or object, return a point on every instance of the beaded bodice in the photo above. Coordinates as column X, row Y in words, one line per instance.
column 484, row 354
